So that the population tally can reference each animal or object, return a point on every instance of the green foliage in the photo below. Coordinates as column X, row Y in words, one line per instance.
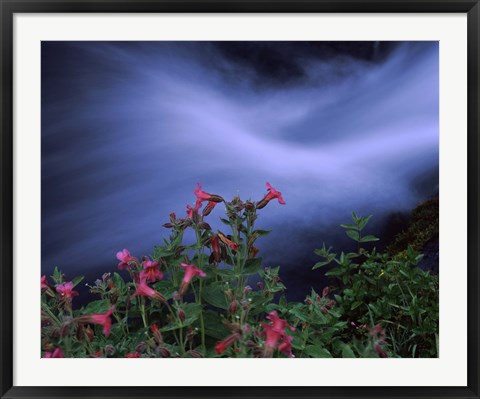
column 378, row 304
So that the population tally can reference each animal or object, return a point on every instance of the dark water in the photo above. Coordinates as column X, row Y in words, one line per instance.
column 128, row 129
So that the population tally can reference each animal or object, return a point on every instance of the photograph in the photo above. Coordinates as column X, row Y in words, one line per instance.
column 239, row 199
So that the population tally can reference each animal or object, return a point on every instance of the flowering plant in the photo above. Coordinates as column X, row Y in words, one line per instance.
column 195, row 299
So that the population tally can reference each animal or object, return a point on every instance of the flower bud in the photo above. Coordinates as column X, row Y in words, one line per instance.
column 308, row 301
column 232, row 308
column 156, row 334
column 330, row 304
column 195, row 354
column 106, row 277
column 276, row 279
column 208, row 208
column 89, row 334
column 110, row 350
column 168, row 225
column 181, row 314
column 205, row 226
column 163, row 352
column 190, row 334
column 266, row 293
column 324, row 310
column 65, row 329
column 249, row 205
column 229, row 295
column 253, row 252
column 326, row 291
column 260, row 285
column 246, row 329
column 247, row 290
column 141, row 347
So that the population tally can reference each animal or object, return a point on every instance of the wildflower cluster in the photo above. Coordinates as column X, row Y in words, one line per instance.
column 195, row 299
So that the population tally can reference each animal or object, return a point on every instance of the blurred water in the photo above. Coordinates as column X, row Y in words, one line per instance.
column 128, row 129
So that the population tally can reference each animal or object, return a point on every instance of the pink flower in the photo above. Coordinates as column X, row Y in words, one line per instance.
column 278, row 323
column 132, row 355
column 222, row 346
column 274, row 332
column 103, row 320
column 125, row 259
column 285, row 346
column 203, row 196
column 44, row 283
column 151, row 272
column 66, row 291
column 272, row 194
column 379, row 351
column 144, row 290
column 190, row 272
column 191, row 211
column 56, row 353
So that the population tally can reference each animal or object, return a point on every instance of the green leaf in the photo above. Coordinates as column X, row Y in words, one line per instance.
column 320, row 264
column 363, row 222
column 353, row 234
column 317, row 351
column 97, row 307
column 77, row 280
column 299, row 314
column 252, row 266
column 214, row 295
column 214, row 326
column 355, row 305
column 261, row 233
column 349, row 226
column 227, row 273
column 118, row 280
column 347, row 352
column 355, row 217
column 369, row 238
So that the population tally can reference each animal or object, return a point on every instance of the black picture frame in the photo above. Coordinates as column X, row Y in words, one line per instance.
column 9, row 8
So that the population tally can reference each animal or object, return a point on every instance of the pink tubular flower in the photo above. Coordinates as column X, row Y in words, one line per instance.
column 58, row 353
column 191, row 211
column 44, row 283
column 222, row 346
column 203, row 196
column 274, row 332
column 144, row 290
column 103, row 320
column 66, row 291
column 272, row 194
column 190, row 272
column 151, row 272
column 277, row 323
column 125, row 259
column 285, row 346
